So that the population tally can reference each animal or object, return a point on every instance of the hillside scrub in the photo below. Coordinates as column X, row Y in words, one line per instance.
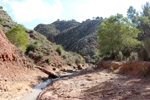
column 69, row 56
column 79, row 37
column 39, row 50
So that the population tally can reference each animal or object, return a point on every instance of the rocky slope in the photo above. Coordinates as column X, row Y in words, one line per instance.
column 15, row 71
column 74, row 36
column 42, row 52
column 5, row 21
column 10, row 61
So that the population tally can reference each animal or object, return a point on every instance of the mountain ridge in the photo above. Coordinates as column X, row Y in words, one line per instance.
column 74, row 36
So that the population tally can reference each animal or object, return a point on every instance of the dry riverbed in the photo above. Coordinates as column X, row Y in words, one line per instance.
column 98, row 84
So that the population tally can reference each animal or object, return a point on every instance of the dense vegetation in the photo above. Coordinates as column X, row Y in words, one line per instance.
column 117, row 33
column 120, row 36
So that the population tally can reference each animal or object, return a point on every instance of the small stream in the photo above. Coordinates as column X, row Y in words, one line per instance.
column 36, row 91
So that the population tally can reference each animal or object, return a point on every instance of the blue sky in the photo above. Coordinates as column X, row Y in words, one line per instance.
column 33, row 12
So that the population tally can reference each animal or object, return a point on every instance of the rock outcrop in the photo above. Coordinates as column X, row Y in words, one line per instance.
column 135, row 67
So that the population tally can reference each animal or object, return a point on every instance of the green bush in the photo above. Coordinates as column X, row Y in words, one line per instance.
column 64, row 56
column 60, row 50
column 134, row 56
column 40, row 55
column 48, row 60
column 119, row 57
column 32, row 46
column 18, row 37
column 1, row 21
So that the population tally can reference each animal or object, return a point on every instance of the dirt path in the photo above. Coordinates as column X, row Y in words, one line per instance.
column 98, row 84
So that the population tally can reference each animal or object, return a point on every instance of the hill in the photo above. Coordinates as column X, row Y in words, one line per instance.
column 52, row 30
column 40, row 51
column 74, row 36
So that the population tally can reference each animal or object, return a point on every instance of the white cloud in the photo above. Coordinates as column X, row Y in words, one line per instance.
column 29, row 10
column 4, row 2
column 104, row 8
column 32, row 12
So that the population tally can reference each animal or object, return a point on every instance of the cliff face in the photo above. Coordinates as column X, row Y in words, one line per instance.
column 7, row 49
column 12, row 66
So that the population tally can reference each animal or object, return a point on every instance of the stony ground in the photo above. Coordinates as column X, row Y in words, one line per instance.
column 98, row 84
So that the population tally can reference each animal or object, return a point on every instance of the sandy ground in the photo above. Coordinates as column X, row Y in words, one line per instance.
column 98, row 84
column 14, row 90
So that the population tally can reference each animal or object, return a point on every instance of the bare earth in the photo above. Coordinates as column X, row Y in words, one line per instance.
column 15, row 89
column 98, row 84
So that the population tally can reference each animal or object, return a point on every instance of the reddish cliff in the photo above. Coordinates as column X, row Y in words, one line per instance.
column 12, row 66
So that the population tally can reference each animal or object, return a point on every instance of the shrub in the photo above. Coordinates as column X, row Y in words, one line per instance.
column 18, row 36
column 112, row 68
column 1, row 21
column 31, row 54
column 119, row 57
column 134, row 56
column 142, row 54
column 77, row 61
column 147, row 47
column 40, row 55
column 60, row 50
column 64, row 56
column 32, row 46
column 80, row 57
column 48, row 60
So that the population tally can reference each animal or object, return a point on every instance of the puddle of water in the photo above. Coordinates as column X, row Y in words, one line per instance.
column 36, row 91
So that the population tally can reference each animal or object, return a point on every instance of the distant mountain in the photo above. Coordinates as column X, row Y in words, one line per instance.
column 74, row 36
column 52, row 30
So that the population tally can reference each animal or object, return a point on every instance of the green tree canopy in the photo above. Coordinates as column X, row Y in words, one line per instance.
column 116, row 33
column 142, row 20
column 131, row 13
column 18, row 36
column 146, row 9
